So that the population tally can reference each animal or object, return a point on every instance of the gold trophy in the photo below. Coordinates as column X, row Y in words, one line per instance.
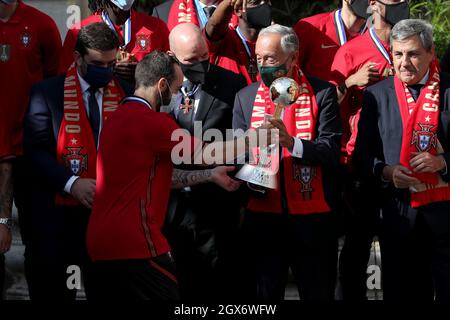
column 283, row 93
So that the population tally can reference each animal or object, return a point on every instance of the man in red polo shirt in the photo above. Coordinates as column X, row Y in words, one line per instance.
column 30, row 45
column 361, row 62
column 139, row 34
column 124, row 237
column 323, row 34
column 233, row 47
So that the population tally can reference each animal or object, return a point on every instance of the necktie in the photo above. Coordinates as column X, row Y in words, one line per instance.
column 94, row 114
column 415, row 90
column 209, row 11
column 186, row 112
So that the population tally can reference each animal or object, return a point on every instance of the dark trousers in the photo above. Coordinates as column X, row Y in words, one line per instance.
column 51, row 251
column 416, row 252
column 2, row 275
column 361, row 222
column 146, row 279
column 305, row 243
column 205, row 246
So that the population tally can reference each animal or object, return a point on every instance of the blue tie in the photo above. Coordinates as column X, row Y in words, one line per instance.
column 94, row 114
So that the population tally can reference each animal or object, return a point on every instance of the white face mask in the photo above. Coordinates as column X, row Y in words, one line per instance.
column 124, row 5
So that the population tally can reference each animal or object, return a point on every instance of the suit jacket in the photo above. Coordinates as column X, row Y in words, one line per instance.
column 42, row 123
column 215, row 110
column 324, row 150
column 380, row 133
column 162, row 11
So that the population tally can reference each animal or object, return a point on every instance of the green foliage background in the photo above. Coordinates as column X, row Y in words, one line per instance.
column 288, row 12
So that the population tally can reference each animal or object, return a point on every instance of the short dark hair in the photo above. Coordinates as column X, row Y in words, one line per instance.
column 97, row 6
column 97, row 36
column 154, row 66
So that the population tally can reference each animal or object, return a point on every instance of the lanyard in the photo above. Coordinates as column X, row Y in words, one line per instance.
column 138, row 100
column 127, row 29
column 245, row 42
column 340, row 28
column 380, row 46
column 203, row 20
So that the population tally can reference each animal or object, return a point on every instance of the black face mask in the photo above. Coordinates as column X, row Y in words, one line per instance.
column 259, row 17
column 196, row 72
column 395, row 12
column 359, row 8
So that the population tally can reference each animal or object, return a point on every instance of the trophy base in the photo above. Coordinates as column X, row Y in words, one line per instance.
column 257, row 176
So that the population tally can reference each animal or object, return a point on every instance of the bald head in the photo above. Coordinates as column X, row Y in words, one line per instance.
column 187, row 43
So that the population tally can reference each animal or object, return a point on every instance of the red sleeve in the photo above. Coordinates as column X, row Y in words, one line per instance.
column 66, row 58
column 50, row 47
column 166, row 135
column 342, row 66
column 301, row 30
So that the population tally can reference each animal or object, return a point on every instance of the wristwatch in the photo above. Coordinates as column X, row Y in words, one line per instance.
column 7, row 222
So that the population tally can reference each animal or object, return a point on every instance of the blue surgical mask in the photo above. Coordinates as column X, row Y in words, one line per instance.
column 98, row 77
column 124, row 5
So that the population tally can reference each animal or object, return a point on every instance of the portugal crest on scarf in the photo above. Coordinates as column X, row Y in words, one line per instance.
column 305, row 175
column 76, row 161
column 424, row 139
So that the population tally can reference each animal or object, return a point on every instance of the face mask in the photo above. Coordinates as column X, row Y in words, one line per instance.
column 166, row 98
column 98, row 77
column 196, row 72
column 124, row 5
column 395, row 12
column 269, row 74
column 359, row 8
column 259, row 17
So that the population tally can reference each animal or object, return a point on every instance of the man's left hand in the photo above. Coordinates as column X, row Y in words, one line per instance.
column 423, row 162
column 286, row 140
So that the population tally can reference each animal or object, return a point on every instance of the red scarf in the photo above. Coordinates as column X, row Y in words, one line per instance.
column 76, row 148
column 184, row 11
column 302, row 184
column 420, row 124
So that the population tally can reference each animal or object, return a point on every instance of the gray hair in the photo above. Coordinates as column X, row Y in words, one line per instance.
column 410, row 27
column 289, row 39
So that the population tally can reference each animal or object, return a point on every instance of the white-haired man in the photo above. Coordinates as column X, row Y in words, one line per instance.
column 405, row 146
column 294, row 225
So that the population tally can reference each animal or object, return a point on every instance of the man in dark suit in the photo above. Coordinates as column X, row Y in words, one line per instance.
column 204, row 226
column 403, row 146
column 294, row 225
column 62, row 126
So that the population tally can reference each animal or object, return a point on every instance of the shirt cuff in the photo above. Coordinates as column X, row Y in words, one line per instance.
column 69, row 183
column 297, row 150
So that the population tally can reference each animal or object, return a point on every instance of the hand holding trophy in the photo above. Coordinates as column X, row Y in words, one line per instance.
column 283, row 93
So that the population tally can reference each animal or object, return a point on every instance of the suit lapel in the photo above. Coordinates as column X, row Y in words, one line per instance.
column 206, row 102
